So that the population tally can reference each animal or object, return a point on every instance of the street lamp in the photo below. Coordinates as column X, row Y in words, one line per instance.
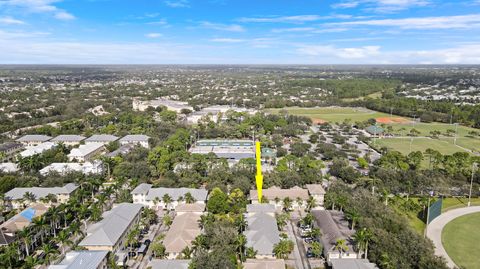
column 474, row 166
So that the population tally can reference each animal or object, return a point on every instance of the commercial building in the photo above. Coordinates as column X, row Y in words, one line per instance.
column 184, row 229
column 333, row 229
column 83, row 260
column 101, row 138
column 232, row 150
column 168, row 264
column 153, row 197
column 95, row 167
column 110, row 233
column 276, row 197
column 172, row 105
column 33, row 140
column 86, row 152
column 8, row 150
column 37, row 149
column 69, row 140
column 141, row 140
column 216, row 113
column 262, row 231
column 15, row 198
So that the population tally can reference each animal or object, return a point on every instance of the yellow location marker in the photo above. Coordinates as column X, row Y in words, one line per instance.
column 259, row 176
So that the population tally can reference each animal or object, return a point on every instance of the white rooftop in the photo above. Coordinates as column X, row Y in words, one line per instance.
column 9, row 167
column 68, row 138
column 64, row 168
column 101, row 138
column 38, row 149
column 81, row 260
column 39, row 192
column 134, row 138
column 84, row 150
column 34, row 138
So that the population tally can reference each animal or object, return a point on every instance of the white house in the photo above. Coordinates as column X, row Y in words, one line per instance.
column 85, row 152
column 38, row 149
column 153, row 197
column 141, row 140
column 69, row 140
column 9, row 167
column 95, row 167
column 33, row 140
column 276, row 197
column 101, row 138
column 15, row 198
column 84, row 260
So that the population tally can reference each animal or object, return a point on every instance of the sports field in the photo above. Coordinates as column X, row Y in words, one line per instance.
column 418, row 144
column 332, row 114
column 460, row 239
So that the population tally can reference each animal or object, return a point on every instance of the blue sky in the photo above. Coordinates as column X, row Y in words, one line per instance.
column 239, row 32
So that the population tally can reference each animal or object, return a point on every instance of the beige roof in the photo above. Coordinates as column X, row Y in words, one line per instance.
column 264, row 264
column 195, row 207
column 315, row 189
column 182, row 232
column 24, row 218
column 274, row 192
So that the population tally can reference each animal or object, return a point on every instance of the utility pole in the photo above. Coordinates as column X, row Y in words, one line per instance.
column 474, row 166
column 456, row 132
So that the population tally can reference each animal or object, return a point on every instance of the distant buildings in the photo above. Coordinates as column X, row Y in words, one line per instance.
column 9, row 150
column 86, row 168
column 101, row 138
column 15, row 198
column 276, row 197
column 153, row 197
column 68, row 140
column 172, row 105
column 110, row 233
column 83, row 260
column 37, row 149
column 85, row 152
column 262, row 231
column 216, row 113
column 141, row 140
column 232, row 150
column 33, row 140
column 375, row 130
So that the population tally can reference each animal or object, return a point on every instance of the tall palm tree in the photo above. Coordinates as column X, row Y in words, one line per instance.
column 283, row 248
column 167, row 220
column 287, row 204
column 9, row 257
column 311, row 203
column 29, row 197
column 64, row 239
column 186, row 253
column 96, row 213
column 50, row 252
column 54, row 215
column 341, row 246
column 26, row 235
column 240, row 244
column 189, row 199
column 40, row 226
column 30, row 262
column 167, row 200
column 362, row 238
column 353, row 216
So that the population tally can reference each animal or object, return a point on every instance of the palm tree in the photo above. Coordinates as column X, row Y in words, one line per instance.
column 30, row 262
column 240, row 243
column 83, row 213
column 167, row 200
column 353, row 216
column 341, row 246
column 186, row 253
column 362, row 238
column 26, row 235
column 250, row 253
column 167, row 220
column 189, row 199
column 10, row 255
column 40, row 225
column 315, row 233
column 199, row 243
column 49, row 253
column 96, row 213
column 311, row 203
column 287, row 203
column 29, row 197
column 283, row 248
column 64, row 239
column 299, row 202
column 156, row 201
column 54, row 216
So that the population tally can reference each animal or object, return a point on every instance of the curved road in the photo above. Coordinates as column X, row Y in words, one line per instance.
column 435, row 228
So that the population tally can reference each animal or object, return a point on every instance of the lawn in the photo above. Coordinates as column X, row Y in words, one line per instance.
column 460, row 239
column 418, row 144
column 332, row 114
column 453, row 202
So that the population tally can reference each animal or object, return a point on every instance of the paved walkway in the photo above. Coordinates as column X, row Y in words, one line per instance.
column 435, row 228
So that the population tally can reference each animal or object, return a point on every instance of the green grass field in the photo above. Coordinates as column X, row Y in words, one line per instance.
column 418, row 144
column 460, row 239
column 332, row 114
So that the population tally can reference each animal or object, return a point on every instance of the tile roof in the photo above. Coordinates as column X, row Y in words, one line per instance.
column 262, row 233
column 101, row 138
column 260, row 208
column 264, row 264
column 168, row 264
column 273, row 192
column 81, row 260
column 34, row 138
column 23, row 219
column 40, row 192
column 108, row 231
column 68, row 138
column 182, row 232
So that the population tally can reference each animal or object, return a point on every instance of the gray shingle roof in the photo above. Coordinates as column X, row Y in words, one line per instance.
column 175, row 193
column 169, row 264
column 135, row 138
column 262, row 233
column 39, row 192
column 101, row 138
column 352, row 264
column 81, row 260
column 121, row 150
column 142, row 188
column 68, row 138
column 331, row 231
column 108, row 231
column 9, row 145
column 258, row 208
column 36, row 138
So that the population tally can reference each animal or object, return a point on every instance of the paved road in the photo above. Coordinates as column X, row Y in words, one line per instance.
column 435, row 228
column 299, row 258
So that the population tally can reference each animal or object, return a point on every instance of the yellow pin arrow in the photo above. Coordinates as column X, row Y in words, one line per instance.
column 259, row 176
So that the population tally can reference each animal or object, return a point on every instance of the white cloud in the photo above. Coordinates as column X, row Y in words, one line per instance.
column 177, row 3
column 10, row 20
column 227, row 40
column 294, row 19
column 445, row 22
column 344, row 53
column 222, row 27
column 39, row 6
column 384, row 6
column 312, row 30
column 153, row 35
column 159, row 22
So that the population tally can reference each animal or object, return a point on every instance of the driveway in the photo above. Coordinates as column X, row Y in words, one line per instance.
column 434, row 231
